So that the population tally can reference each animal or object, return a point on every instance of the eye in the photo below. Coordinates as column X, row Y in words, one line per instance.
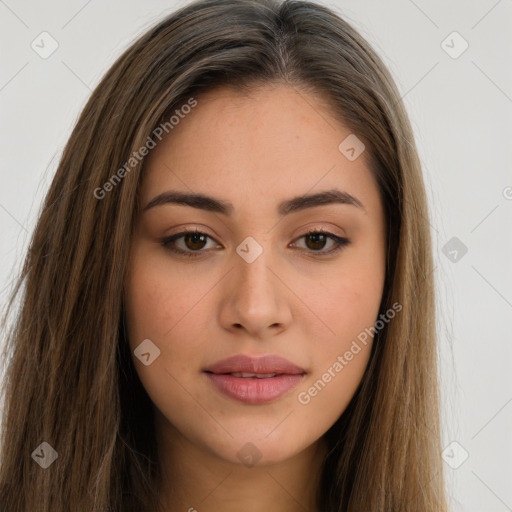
column 317, row 238
column 195, row 242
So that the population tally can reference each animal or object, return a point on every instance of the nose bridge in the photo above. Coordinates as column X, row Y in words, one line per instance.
column 256, row 283
column 255, row 300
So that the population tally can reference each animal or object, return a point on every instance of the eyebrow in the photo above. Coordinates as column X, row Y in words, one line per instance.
column 212, row 204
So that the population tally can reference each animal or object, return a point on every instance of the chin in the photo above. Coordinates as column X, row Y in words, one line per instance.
column 251, row 448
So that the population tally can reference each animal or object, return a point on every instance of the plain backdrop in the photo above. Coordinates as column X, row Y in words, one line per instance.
column 451, row 61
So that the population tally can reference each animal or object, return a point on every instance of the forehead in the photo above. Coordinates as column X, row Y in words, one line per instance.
column 275, row 141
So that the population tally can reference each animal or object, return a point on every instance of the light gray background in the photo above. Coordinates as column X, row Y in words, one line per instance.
column 461, row 112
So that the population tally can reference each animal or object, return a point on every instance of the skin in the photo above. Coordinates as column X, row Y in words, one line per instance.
column 254, row 151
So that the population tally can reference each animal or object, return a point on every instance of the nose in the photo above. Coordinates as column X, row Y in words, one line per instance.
column 256, row 300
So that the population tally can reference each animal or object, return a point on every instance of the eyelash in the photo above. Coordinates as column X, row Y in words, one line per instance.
column 340, row 243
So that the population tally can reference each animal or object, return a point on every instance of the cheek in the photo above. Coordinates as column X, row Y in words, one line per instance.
column 158, row 299
column 348, row 305
column 347, row 301
column 328, row 391
column 167, row 305
column 161, row 307
column 342, row 353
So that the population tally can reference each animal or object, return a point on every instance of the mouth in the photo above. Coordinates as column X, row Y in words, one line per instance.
column 254, row 380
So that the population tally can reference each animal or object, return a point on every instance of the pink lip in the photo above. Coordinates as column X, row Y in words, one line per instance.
column 248, row 364
column 254, row 390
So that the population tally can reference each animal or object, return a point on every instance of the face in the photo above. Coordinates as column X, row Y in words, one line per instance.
column 259, row 279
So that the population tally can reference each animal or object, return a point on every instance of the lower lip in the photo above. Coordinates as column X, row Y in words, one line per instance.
column 252, row 390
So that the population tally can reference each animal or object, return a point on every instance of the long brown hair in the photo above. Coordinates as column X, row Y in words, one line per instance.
column 69, row 378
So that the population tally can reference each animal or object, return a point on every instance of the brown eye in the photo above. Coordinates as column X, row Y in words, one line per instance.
column 193, row 243
column 317, row 240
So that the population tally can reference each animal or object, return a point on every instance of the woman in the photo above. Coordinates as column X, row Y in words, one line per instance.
column 228, row 298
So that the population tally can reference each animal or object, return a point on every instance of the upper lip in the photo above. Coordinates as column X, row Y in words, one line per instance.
column 257, row 365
